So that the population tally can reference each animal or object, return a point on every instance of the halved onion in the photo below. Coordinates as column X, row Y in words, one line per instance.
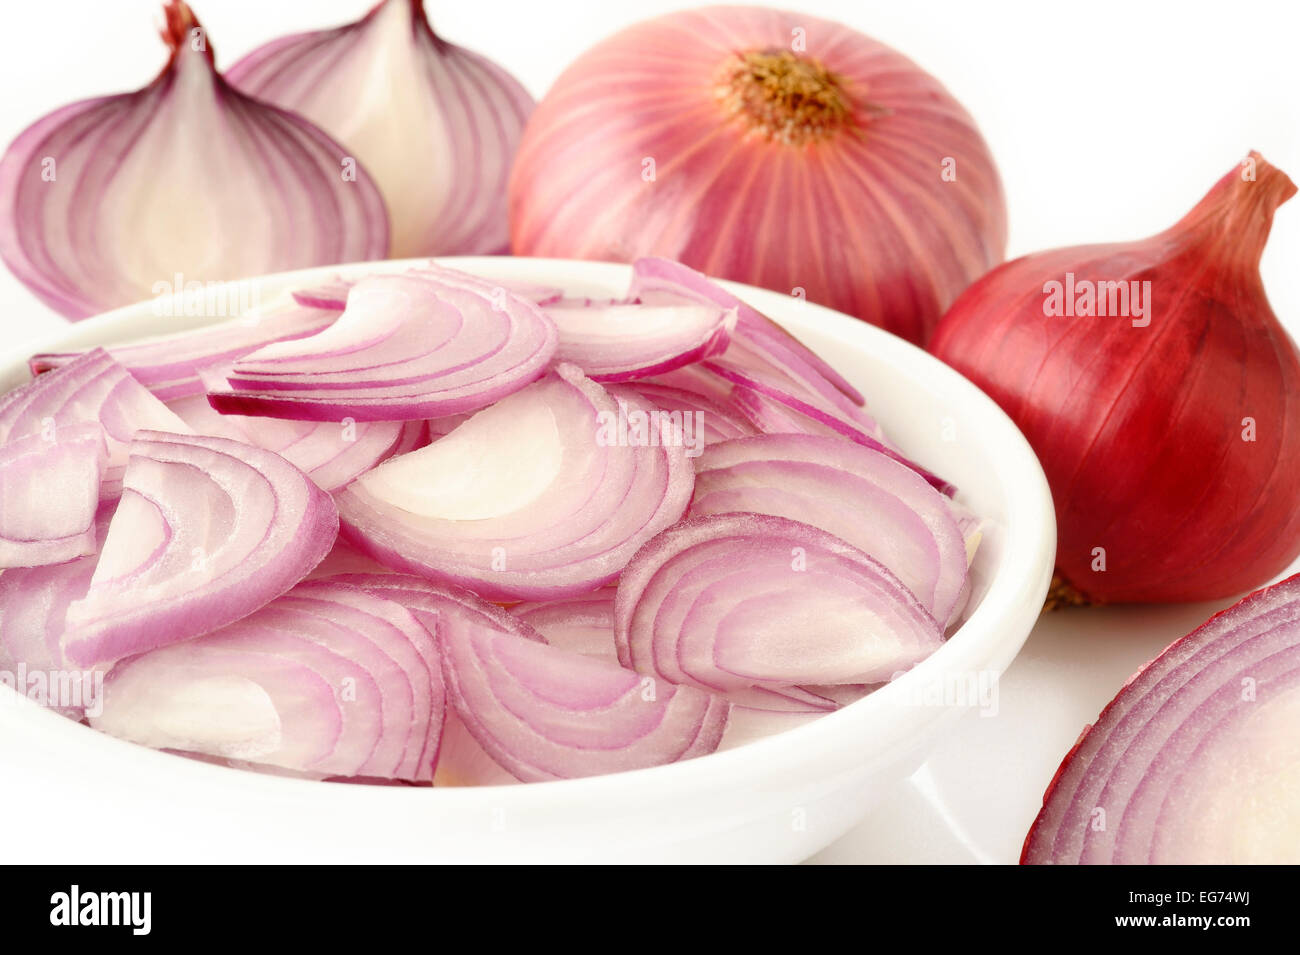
column 170, row 365
column 862, row 496
column 621, row 342
column 49, row 492
column 405, row 347
column 547, row 713
column 539, row 496
column 208, row 530
column 737, row 601
column 326, row 679
column 93, row 388
column 331, row 453
column 582, row 624
column 1197, row 760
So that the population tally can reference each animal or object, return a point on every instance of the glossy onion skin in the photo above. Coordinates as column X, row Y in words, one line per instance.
column 1142, row 431
column 863, row 221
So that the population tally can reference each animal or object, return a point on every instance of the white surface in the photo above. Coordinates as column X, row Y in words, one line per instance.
column 1108, row 119
column 775, row 800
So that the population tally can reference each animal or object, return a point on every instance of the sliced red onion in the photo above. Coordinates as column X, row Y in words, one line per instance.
column 583, row 624
column 171, row 365
column 344, row 558
column 654, row 278
column 33, row 608
column 207, row 531
column 733, row 601
column 93, row 388
column 405, row 347
column 102, row 197
column 613, row 343
column 49, row 492
column 539, row 496
column 334, row 294
column 327, row 679
column 862, row 496
column 436, row 124
column 547, row 713
column 332, row 454
column 716, row 421
column 1194, row 762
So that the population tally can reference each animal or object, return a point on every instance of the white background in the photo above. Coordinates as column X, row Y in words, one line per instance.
column 1108, row 121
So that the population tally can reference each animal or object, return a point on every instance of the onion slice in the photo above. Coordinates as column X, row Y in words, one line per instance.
column 734, row 601
column 92, row 388
column 207, row 531
column 334, row 294
column 333, row 454
column 547, row 713
column 712, row 420
column 327, row 679
column 405, row 347
column 539, row 496
column 170, row 365
column 583, row 624
column 1195, row 760
column 862, row 496
column 612, row 343
column 49, row 492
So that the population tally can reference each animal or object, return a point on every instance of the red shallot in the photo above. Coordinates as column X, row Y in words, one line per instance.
column 1161, row 395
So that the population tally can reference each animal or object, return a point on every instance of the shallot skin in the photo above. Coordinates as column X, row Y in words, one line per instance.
column 1171, row 440
column 883, row 203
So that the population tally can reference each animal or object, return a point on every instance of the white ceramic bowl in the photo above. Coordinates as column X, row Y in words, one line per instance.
column 78, row 796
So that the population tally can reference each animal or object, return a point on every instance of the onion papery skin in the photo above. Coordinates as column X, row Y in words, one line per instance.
column 437, row 125
column 527, row 500
column 208, row 530
column 736, row 601
column 171, row 366
column 861, row 496
column 418, row 345
column 1195, row 760
column 91, row 388
column 49, row 493
column 333, row 454
column 545, row 713
column 171, row 160
column 1170, row 447
column 863, row 218
column 327, row 679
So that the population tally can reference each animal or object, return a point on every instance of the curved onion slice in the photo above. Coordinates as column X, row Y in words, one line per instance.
column 538, row 496
column 546, row 713
column 100, row 198
column 733, row 601
column 93, row 388
column 170, row 365
column 435, row 123
column 405, row 347
column 33, row 609
column 334, row 294
column 326, row 679
column 716, row 420
column 862, row 496
column 49, row 492
column 613, row 343
column 654, row 278
column 332, row 454
column 207, row 531
column 1196, row 761
column 583, row 624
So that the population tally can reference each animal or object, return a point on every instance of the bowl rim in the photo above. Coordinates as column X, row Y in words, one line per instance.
column 1019, row 581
